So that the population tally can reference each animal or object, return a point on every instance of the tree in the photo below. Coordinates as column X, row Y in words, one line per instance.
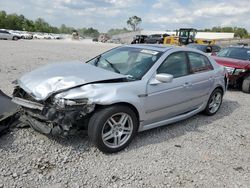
column 240, row 32
column 2, row 19
column 133, row 22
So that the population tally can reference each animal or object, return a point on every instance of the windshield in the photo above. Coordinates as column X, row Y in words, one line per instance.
column 236, row 53
column 132, row 62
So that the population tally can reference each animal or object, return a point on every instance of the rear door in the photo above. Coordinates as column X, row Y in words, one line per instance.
column 203, row 77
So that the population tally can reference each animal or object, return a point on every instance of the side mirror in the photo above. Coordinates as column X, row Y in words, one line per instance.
column 161, row 78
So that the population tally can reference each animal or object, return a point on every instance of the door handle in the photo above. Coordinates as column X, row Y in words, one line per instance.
column 187, row 84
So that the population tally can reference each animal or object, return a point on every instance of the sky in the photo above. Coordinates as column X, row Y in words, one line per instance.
column 155, row 14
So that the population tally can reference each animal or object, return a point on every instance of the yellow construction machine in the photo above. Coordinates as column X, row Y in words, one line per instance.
column 185, row 36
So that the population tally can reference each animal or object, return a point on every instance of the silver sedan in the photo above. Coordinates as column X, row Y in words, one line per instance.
column 4, row 34
column 120, row 92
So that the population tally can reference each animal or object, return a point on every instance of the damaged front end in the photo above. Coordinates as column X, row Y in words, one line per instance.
column 53, row 116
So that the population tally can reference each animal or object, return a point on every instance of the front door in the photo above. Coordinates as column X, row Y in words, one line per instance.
column 166, row 100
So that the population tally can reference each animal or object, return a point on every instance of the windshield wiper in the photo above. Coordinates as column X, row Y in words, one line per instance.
column 112, row 65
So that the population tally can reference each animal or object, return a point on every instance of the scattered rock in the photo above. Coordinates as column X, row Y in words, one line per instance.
column 239, row 168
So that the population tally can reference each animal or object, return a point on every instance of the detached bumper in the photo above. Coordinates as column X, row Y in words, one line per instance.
column 8, row 112
column 43, row 127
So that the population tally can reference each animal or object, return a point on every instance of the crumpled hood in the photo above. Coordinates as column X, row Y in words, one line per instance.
column 230, row 62
column 52, row 78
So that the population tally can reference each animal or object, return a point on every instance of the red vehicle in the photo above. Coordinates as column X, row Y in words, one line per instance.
column 237, row 61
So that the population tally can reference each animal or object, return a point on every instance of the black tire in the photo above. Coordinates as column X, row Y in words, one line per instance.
column 246, row 85
column 15, row 38
column 99, row 121
column 207, row 110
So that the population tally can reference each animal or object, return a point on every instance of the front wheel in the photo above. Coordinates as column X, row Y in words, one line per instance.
column 246, row 85
column 214, row 102
column 111, row 129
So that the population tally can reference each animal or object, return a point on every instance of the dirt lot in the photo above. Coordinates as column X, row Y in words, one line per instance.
column 199, row 152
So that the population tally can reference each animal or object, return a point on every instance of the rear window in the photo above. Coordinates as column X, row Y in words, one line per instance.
column 199, row 62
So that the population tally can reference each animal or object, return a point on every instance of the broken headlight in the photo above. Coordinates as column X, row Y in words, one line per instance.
column 238, row 71
column 62, row 103
column 230, row 70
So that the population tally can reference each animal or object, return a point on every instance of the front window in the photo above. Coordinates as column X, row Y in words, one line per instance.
column 175, row 64
column 184, row 34
column 132, row 62
column 235, row 53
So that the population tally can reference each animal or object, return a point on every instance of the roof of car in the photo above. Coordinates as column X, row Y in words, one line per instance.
column 240, row 46
column 195, row 44
column 157, row 47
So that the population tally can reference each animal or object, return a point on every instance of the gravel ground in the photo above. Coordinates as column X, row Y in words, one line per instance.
column 199, row 152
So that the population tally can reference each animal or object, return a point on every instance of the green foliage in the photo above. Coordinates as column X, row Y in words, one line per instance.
column 238, row 32
column 88, row 32
column 112, row 32
column 133, row 22
column 19, row 22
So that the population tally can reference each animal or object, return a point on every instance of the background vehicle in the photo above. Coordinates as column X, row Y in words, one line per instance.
column 48, row 36
column 26, row 35
column 21, row 34
column 103, row 38
column 206, row 48
column 139, row 39
column 134, row 88
column 4, row 34
column 56, row 36
column 155, row 39
column 237, row 61
column 185, row 36
column 38, row 36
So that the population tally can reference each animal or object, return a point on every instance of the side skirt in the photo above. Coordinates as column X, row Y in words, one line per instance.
column 173, row 119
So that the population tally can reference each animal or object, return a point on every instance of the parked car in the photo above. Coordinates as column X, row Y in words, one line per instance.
column 139, row 39
column 16, row 33
column 206, row 48
column 48, row 36
column 155, row 39
column 21, row 34
column 237, row 61
column 4, row 34
column 26, row 35
column 120, row 92
column 38, row 36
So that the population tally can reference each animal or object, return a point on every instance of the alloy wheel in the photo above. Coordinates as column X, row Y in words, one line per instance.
column 215, row 102
column 117, row 130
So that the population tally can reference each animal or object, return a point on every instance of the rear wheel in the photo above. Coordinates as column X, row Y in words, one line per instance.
column 214, row 102
column 111, row 129
column 246, row 85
